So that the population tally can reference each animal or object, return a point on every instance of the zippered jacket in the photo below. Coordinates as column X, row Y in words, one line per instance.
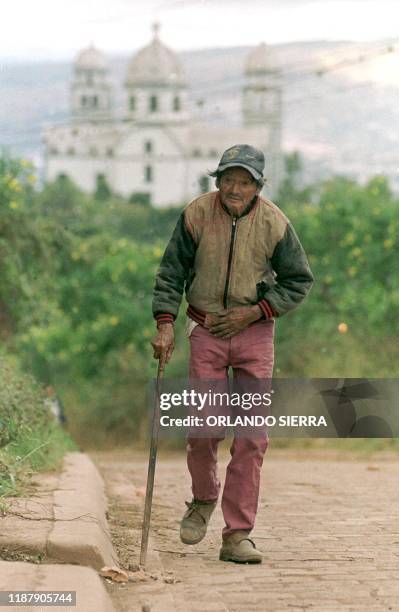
column 221, row 261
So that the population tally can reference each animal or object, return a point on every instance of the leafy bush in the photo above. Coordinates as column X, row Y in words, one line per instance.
column 30, row 438
column 77, row 275
column 21, row 404
column 350, row 236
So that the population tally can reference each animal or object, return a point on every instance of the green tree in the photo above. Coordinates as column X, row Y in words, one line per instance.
column 77, row 276
column 62, row 202
column 104, row 304
column 351, row 240
column 25, row 253
column 103, row 191
column 291, row 188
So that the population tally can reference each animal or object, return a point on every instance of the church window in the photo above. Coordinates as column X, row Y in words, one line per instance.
column 176, row 104
column 153, row 104
column 132, row 103
column 204, row 183
column 148, row 146
column 148, row 174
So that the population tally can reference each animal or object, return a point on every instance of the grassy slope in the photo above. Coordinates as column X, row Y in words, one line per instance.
column 30, row 439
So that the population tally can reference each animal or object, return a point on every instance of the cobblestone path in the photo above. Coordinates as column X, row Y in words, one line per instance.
column 329, row 531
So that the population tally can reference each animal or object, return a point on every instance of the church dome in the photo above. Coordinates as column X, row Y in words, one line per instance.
column 155, row 64
column 91, row 59
column 262, row 59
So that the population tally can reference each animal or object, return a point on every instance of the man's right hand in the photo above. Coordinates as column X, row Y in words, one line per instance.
column 164, row 343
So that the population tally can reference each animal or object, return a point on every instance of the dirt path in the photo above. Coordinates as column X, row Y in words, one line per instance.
column 329, row 531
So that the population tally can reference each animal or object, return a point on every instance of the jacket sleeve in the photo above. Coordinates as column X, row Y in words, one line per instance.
column 173, row 272
column 293, row 275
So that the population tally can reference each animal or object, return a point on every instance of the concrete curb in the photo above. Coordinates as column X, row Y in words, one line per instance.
column 91, row 595
column 80, row 533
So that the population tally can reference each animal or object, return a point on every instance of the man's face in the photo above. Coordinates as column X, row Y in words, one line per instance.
column 237, row 188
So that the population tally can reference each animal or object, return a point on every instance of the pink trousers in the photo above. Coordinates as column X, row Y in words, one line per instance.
column 250, row 354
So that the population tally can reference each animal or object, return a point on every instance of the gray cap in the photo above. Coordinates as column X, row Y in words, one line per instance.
column 244, row 156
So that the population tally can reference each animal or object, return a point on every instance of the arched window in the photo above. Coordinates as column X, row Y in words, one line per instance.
column 176, row 104
column 153, row 104
column 148, row 174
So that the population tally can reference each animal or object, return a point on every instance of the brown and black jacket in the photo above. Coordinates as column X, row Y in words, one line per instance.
column 221, row 261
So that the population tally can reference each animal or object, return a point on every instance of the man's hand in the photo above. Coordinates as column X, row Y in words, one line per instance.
column 233, row 320
column 164, row 343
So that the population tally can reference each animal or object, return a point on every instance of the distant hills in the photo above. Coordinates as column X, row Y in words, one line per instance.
column 340, row 112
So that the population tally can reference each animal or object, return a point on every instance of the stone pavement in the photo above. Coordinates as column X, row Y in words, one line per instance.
column 62, row 522
column 90, row 593
column 329, row 531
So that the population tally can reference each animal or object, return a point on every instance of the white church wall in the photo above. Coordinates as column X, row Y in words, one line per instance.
column 142, row 110
column 166, row 185
column 151, row 159
column 197, row 170
column 153, row 147
column 128, row 177
column 170, row 185
column 134, row 143
column 82, row 171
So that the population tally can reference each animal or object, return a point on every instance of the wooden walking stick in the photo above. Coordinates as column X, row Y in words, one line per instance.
column 151, row 466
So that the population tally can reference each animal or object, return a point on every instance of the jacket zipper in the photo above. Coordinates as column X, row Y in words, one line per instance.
column 226, row 287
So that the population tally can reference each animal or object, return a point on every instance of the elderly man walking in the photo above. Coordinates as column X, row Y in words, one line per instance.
column 241, row 265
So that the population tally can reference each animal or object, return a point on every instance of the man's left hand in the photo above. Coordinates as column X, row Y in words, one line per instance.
column 234, row 320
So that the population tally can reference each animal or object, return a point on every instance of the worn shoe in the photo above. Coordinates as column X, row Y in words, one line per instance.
column 195, row 521
column 239, row 548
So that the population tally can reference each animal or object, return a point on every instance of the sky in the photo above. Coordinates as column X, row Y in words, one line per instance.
column 58, row 29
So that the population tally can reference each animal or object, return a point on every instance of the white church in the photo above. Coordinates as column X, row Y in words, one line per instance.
column 156, row 149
